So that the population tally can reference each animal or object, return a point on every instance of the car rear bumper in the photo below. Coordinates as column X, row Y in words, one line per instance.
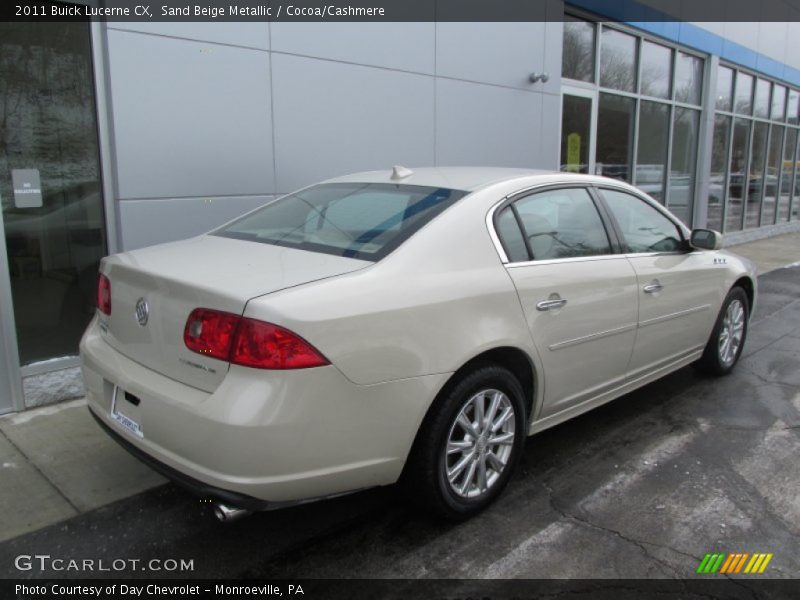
column 261, row 437
column 195, row 486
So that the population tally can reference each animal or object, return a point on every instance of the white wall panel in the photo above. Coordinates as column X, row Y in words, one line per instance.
column 190, row 118
column 487, row 125
column 499, row 53
column 404, row 46
column 333, row 118
column 251, row 35
column 148, row 222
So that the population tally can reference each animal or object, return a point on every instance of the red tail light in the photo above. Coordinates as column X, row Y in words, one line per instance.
column 267, row 346
column 210, row 332
column 248, row 342
column 103, row 294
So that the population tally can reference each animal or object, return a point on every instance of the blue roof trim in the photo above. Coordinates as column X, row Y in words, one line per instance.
column 653, row 21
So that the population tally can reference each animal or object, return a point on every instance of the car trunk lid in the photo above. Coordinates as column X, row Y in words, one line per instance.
column 210, row 272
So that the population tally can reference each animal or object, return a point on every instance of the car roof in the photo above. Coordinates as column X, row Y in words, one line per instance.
column 467, row 179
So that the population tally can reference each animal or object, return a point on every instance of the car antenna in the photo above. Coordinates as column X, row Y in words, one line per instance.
column 401, row 172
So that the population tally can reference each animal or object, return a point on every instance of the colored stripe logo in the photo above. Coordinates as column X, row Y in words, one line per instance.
column 736, row 562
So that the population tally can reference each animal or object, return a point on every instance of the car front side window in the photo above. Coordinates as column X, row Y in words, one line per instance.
column 644, row 228
column 562, row 223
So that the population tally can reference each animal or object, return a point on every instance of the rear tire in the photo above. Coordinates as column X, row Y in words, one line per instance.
column 468, row 444
column 727, row 339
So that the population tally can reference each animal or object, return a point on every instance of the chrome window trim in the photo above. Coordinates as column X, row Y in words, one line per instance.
column 669, row 253
column 508, row 198
column 569, row 259
column 493, row 235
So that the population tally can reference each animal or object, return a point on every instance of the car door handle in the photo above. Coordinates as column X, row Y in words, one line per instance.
column 550, row 304
column 652, row 288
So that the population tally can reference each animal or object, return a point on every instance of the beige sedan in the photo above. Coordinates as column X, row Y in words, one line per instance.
column 400, row 325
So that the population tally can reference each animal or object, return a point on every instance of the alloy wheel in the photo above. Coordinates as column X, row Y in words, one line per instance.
column 731, row 333
column 480, row 443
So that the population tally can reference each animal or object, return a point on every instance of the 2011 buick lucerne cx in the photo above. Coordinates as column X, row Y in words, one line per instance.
column 400, row 325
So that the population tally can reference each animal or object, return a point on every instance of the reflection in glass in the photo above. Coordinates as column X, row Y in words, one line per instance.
column 778, row 103
column 743, row 100
column 656, row 72
column 684, row 159
column 562, row 223
column 615, row 136
column 719, row 165
column 651, row 156
column 737, row 180
column 724, row 88
column 756, row 185
column 48, row 124
column 792, row 105
column 617, row 60
column 577, row 54
column 644, row 228
column 688, row 78
column 787, row 174
column 774, row 155
column 794, row 211
column 575, row 131
column 762, row 98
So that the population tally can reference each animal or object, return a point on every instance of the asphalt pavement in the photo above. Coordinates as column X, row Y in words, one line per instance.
column 643, row 487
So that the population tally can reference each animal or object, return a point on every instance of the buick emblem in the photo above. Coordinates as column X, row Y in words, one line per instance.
column 142, row 311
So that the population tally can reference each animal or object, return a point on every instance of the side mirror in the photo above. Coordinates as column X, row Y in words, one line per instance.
column 706, row 239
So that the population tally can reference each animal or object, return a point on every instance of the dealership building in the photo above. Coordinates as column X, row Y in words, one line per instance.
column 115, row 136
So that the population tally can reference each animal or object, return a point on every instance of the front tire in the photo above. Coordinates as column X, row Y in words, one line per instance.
column 468, row 445
column 728, row 336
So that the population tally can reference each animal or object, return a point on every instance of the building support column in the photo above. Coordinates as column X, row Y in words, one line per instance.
column 706, row 143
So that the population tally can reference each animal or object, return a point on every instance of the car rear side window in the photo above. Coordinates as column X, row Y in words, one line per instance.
column 511, row 236
column 358, row 220
column 644, row 227
column 562, row 223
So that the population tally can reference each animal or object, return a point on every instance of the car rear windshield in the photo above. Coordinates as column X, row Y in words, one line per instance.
column 359, row 220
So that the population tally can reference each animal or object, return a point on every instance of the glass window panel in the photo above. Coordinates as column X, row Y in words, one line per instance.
column 365, row 221
column 684, row 160
column 756, row 184
column 617, row 60
column 576, row 128
column 656, row 72
column 651, row 156
column 778, row 103
column 787, row 174
column 795, row 203
column 48, row 132
column 719, row 166
column 738, row 174
column 724, row 88
column 688, row 78
column 771, row 179
column 645, row 229
column 562, row 223
column 577, row 57
column 511, row 236
column 762, row 98
column 615, row 116
column 792, row 105
column 774, row 157
column 743, row 103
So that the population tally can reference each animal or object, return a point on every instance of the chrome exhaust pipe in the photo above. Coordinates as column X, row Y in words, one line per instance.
column 229, row 514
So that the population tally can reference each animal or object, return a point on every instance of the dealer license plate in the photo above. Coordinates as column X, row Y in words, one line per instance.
column 121, row 418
